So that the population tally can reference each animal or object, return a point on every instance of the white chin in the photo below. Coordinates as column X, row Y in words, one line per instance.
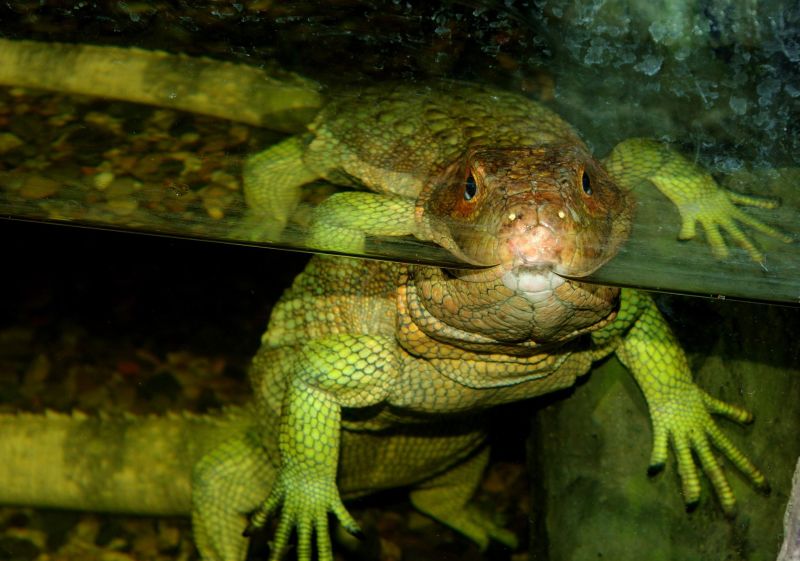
column 534, row 285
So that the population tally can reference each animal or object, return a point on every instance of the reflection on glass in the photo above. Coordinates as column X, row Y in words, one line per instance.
column 462, row 169
column 171, row 178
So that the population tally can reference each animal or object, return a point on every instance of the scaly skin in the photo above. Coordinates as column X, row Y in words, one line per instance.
column 107, row 463
column 268, row 97
column 391, row 139
column 394, row 139
column 374, row 375
column 364, row 361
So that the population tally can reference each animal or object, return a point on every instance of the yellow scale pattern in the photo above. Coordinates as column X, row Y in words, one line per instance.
column 374, row 375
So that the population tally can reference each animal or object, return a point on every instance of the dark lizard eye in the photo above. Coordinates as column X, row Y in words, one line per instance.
column 470, row 189
column 587, row 183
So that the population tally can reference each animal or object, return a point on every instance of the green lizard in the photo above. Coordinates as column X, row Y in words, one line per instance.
column 392, row 139
column 374, row 375
column 410, row 342
column 501, row 182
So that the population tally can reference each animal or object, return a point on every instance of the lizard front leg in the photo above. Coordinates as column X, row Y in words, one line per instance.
column 693, row 191
column 342, row 222
column 273, row 180
column 272, row 186
column 331, row 373
column 679, row 410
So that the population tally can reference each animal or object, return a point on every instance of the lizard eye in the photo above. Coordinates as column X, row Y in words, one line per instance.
column 470, row 188
column 587, row 183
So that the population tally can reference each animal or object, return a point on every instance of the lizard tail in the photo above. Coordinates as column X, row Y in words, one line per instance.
column 266, row 96
column 121, row 463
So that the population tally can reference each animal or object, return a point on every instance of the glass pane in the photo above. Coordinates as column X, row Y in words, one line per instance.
column 87, row 160
column 364, row 103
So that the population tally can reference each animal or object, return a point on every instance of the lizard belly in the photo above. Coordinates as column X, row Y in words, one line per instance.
column 404, row 456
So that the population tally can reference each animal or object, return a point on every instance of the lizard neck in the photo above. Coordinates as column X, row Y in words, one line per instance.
column 477, row 312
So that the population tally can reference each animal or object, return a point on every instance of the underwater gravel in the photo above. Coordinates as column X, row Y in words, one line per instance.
column 69, row 158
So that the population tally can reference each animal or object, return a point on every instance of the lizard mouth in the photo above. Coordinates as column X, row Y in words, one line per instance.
column 535, row 284
column 541, row 259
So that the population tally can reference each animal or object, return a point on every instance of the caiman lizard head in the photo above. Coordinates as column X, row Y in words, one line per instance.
column 538, row 218
column 535, row 209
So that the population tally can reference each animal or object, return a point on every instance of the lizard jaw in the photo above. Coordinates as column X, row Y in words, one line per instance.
column 535, row 253
column 535, row 284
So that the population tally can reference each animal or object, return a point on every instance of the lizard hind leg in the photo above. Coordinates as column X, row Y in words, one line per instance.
column 227, row 484
column 446, row 497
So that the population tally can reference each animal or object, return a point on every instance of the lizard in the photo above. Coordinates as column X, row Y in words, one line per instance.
column 391, row 139
column 269, row 96
column 364, row 360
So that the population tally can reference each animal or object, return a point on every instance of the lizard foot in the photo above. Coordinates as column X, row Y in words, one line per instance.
column 482, row 523
column 694, row 192
column 255, row 227
column 716, row 210
column 304, row 505
column 470, row 521
column 686, row 421
column 447, row 496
